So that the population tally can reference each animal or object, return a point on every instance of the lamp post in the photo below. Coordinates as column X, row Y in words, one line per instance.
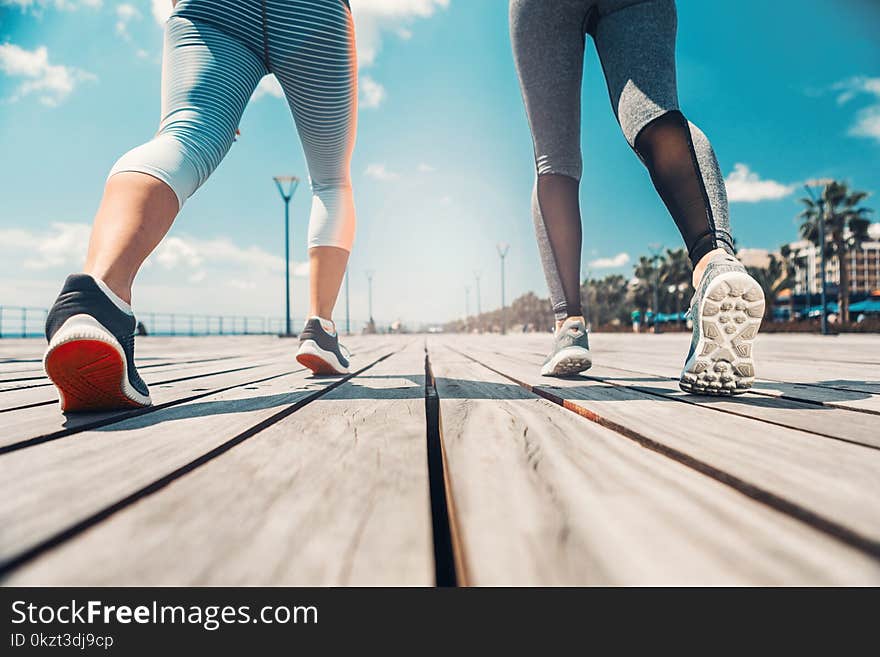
column 370, row 273
column 820, row 202
column 286, row 187
column 347, row 316
column 586, row 306
column 503, row 248
column 477, row 288
column 656, row 248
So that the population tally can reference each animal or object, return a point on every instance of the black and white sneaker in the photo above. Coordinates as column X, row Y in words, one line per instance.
column 90, row 357
column 320, row 351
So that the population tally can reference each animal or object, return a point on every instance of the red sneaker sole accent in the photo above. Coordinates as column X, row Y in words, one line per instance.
column 317, row 364
column 89, row 375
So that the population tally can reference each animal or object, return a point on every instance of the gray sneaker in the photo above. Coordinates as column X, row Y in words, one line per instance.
column 571, row 351
column 726, row 311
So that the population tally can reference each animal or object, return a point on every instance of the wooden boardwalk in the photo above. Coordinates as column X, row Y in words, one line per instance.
column 446, row 459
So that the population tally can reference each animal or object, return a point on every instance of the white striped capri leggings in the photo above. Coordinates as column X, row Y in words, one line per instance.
column 216, row 52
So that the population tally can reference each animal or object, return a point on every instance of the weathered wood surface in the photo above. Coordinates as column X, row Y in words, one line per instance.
column 542, row 497
column 829, row 477
column 334, row 494
column 49, row 487
column 250, row 471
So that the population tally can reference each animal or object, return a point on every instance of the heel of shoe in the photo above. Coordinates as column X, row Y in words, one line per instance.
column 89, row 369
column 730, row 316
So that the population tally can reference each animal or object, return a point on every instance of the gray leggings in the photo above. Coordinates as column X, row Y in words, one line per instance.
column 636, row 45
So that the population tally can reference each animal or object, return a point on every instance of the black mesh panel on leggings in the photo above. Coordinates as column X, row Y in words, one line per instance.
column 666, row 148
column 559, row 207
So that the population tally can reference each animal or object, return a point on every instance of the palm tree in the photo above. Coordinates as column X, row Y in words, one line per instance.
column 605, row 299
column 675, row 274
column 773, row 278
column 846, row 227
column 643, row 290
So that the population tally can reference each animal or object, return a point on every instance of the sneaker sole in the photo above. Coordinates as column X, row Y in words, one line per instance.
column 730, row 316
column 568, row 362
column 89, row 370
column 318, row 360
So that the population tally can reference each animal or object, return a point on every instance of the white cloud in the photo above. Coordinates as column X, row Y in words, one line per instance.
column 744, row 185
column 379, row 171
column 425, row 168
column 66, row 5
column 867, row 119
column 186, row 274
column 125, row 13
column 162, row 10
column 269, row 86
column 371, row 92
column 64, row 244
column 375, row 17
column 52, row 83
column 619, row 260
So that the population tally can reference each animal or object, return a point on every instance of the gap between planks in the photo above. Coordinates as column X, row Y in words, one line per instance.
column 94, row 518
column 851, row 537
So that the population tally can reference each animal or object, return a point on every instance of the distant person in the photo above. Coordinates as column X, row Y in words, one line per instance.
column 216, row 52
column 636, row 45
column 636, row 318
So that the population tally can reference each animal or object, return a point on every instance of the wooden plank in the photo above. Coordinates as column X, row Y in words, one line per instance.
column 45, row 422
column 49, row 487
column 335, row 494
column 169, row 360
column 544, row 497
column 43, row 418
column 839, row 423
column 662, row 355
column 34, row 376
column 828, row 480
column 44, row 390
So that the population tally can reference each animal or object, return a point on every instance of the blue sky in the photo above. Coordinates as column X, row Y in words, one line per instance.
column 786, row 91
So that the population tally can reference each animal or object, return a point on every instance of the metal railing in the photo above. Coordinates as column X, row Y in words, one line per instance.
column 29, row 322
column 22, row 322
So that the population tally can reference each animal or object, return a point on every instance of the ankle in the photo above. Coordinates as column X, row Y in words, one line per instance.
column 119, row 286
column 326, row 323
column 700, row 267
column 560, row 322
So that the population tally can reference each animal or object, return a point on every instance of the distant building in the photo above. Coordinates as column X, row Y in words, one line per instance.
column 759, row 258
column 864, row 266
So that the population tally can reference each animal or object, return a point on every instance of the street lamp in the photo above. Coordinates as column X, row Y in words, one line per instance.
column 347, row 316
column 503, row 248
column 370, row 273
column 286, row 187
column 586, row 306
column 821, row 182
column 656, row 248
column 477, row 279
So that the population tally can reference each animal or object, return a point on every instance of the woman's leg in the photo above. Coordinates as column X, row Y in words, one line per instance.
column 312, row 53
column 208, row 78
column 636, row 45
column 135, row 213
column 548, row 49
